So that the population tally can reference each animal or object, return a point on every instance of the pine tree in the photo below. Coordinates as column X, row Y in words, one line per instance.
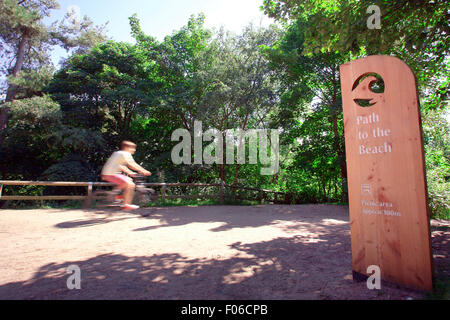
column 26, row 42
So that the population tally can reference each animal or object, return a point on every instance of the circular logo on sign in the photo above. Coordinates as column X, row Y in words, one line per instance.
column 368, row 90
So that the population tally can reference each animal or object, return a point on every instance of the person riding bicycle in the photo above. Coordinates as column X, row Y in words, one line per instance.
column 122, row 161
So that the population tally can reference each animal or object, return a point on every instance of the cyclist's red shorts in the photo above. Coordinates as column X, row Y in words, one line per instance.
column 118, row 179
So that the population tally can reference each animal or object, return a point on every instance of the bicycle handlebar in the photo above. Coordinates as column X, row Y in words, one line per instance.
column 139, row 177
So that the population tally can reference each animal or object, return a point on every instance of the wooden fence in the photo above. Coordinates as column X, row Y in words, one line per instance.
column 261, row 194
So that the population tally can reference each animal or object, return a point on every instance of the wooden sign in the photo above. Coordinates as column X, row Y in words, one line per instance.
column 389, row 217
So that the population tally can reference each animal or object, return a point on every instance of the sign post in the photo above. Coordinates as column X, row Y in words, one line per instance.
column 389, row 216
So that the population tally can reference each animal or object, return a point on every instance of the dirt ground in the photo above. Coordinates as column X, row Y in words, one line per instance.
column 210, row 252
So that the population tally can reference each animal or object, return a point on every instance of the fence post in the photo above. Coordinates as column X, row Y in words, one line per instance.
column 89, row 191
column 260, row 197
column 163, row 193
column 222, row 192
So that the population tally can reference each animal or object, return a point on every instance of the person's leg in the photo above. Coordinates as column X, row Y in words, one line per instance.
column 128, row 192
column 121, row 182
column 126, row 184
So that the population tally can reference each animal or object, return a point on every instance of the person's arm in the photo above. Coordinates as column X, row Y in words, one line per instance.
column 133, row 165
column 127, row 171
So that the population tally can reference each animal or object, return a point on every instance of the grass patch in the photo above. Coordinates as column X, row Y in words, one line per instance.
column 338, row 203
column 182, row 202
column 441, row 291
column 28, row 205
column 193, row 202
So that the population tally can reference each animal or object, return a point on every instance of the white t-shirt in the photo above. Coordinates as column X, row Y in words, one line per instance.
column 117, row 159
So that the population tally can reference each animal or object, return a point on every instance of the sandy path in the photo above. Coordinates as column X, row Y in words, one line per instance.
column 210, row 252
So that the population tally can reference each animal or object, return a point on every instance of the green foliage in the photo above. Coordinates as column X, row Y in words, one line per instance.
column 311, row 110
column 73, row 167
column 34, row 114
column 342, row 25
column 22, row 22
column 36, row 140
column 315, row 160
column 152, row 134
column 415, row 31
column 274, row 78
column 32, row 82
column 25, row 148
column 437, row 160
column 105, row 88
column 75, row 139
column 222, row 79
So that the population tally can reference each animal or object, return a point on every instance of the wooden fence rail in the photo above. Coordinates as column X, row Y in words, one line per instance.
column 262, row 193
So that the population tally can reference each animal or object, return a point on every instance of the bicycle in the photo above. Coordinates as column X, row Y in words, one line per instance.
column 111, row 198
column 143, row 194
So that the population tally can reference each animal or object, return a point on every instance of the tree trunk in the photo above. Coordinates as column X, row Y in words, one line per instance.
column 335, row 187
column 339, row 150
column 324, row 191
column 341, row 157
column 12, row 90
column 222, row 165
column 236, row 172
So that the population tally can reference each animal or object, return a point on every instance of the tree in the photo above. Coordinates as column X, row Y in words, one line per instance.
column 420, row 25
column 178, row 58
column 316, row 157
column 218, row 78
column 105, row 88
column 436, row 131
column 78, row 154
column 415, row 31
column 26, row 42
column 25, row 152
column 240, row 91
column 38, row 144
column 310, row 83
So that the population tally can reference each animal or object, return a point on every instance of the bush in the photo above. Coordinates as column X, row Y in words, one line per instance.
column 437, row 162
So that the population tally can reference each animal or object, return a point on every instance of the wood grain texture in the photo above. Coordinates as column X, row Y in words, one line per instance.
column 389, row 216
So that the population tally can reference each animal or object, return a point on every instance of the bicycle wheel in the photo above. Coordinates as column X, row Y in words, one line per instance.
column 143, row 198
column 143, row 195
column 104, row 199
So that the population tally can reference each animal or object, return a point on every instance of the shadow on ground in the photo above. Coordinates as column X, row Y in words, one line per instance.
column 103, row 216
column 298, row 267
column 255, row 216
column 267, row 275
